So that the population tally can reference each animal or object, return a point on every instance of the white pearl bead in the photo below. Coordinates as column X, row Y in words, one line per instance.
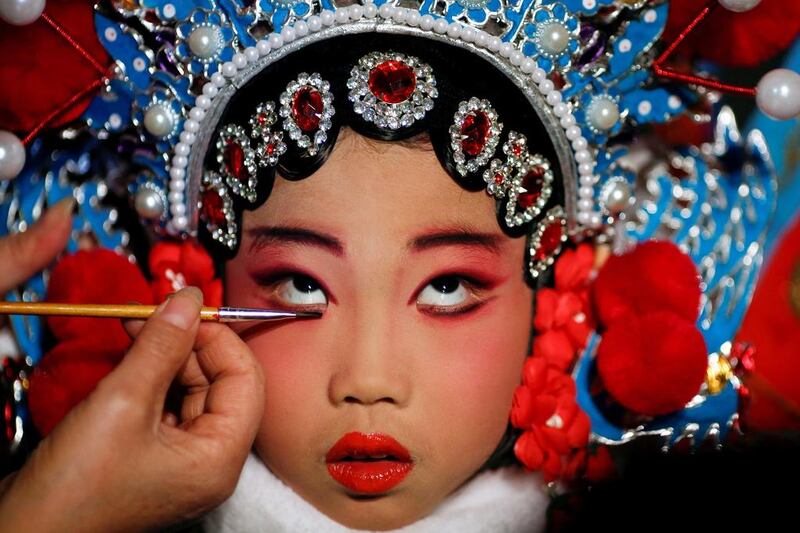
column 205, row 41
column 370, row 11
column 538, row 75
column 583, row 218
column 481, row 38
column 506, row 49
column 197, row 114
column 585, row 204
column 203, row 101
column 275, row 41
column 21, row 12
column 527, row 65
column 586, row 180
column 399, row 15
column 187, row 137
column 554, row 98
column 180, row 223
column 301, row 27
column 251, row 53
column 573, row 132
column 12, row 155
column 179, row 161
column 175, row 197
column 454, row 30
column 288, row 34
column 385, row 11
column 617, row 196
column 182, row 149
column 228, row 69
column 567, row 121
column 440, row 26
column 739, row 6
column 413, row 18
column 580, row 144
column 587, row 169
column 177, row 175
column 327, row 17
column 356, row 12
column 210, row 90
column 191, row 125
column 467, row 34
column 516, row 58
column 595, row 221
column 177, row 209
column 494, row 43
column 585, row 192
column 603, row 113
column 263, row 47
column 158, row 120
column 546, row 87
column 177, row 185
column 427, row 22
column 554, row 38
column 218, row 79
column 314, row 23
column 583, row 156
column 560, row 109
column 148, row 203
column 778, row 94
column 341, row 16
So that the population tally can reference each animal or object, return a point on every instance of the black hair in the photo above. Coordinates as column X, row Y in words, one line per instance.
column 460, row 75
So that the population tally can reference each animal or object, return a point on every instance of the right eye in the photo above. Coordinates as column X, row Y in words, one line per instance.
column 297, row 290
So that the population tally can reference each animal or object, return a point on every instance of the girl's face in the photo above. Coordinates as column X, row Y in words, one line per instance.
column 425, row 326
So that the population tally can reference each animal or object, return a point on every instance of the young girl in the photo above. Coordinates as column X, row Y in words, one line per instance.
column 393, row 171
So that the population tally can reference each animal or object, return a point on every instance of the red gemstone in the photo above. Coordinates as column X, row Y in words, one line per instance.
column 550, row 240
column 270, row 149
column 532, row 183
column 475, row 132
column 392, row 81
column 262, row 118
column 307, row 108
column 233, row 158
column 498, row 178
column 517, row 149
column 213, row 208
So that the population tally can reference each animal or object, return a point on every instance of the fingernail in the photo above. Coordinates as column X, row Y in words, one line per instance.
column 64, row 206
column 183, row 309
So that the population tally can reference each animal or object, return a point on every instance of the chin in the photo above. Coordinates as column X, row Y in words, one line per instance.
column 380, row 513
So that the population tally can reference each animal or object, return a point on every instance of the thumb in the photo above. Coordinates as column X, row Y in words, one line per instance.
column 24, row 254
column 161, row 349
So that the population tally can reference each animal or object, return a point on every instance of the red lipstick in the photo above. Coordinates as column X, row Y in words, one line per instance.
column 368, row 463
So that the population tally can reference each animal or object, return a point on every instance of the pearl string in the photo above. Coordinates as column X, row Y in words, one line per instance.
column 584, row 158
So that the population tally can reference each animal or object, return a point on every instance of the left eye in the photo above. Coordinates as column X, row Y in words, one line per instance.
column 444, row 291
column 301, row 290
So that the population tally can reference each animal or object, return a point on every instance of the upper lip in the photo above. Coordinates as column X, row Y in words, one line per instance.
column 364, row 446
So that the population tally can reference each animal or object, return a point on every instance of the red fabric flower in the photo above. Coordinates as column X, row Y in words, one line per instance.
column 41, row 70
column 88, row 348
column 593, row 465
column 545, row 407
column 735, row 39
column 562, row 320
column 175, row 265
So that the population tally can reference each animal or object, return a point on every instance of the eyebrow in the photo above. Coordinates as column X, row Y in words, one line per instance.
column 264, row 236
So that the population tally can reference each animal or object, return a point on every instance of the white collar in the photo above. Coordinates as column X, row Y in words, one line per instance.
column 504, row 500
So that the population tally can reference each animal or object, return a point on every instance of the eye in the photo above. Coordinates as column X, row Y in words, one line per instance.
column 298, row 289
column 450, row 294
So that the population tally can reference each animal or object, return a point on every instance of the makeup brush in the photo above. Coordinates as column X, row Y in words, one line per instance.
column 213, row 314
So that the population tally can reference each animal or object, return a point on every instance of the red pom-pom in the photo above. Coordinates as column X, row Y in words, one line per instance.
column 176, row 265
column 41, row 70
column 95, row 276
column 652, row 364
column 66, row 375
column 655, row 276
column 735, row 39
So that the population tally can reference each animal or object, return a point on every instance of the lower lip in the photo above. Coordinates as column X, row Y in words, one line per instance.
column 369, row 477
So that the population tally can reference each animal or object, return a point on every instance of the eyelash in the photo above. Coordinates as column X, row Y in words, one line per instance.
column 474, row 286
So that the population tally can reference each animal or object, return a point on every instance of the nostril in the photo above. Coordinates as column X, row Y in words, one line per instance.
column 353, row 399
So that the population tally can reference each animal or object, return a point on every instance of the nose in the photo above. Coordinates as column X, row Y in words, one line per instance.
column 370, row 367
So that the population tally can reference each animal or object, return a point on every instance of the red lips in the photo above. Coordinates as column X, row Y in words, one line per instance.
column 368, row 464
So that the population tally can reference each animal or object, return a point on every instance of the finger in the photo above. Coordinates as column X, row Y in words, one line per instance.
column 235, row 398
column 133, row 327
column 169, row 419
column 161, row 348
column 24, row 254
